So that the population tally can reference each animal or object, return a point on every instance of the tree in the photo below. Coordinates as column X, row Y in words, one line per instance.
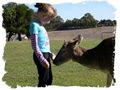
column 23, row 18
column 56, row 23
column 114, row 22
column 68, row 24
column 107, row 22
column 88, row 21
column 9, row 16
column 75, row 22
column 16, row 18
column 57, row 19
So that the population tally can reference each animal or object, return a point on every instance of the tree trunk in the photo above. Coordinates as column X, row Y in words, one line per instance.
column 19, row 37
column 28, row 36
column 9, row 36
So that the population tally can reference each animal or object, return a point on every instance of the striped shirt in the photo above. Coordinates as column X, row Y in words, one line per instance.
column 39, row 40
column 34, row 44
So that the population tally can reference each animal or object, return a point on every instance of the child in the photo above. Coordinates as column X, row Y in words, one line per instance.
column 40, row 43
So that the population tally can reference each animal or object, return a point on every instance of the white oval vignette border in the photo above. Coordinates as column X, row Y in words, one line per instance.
column 114, row 3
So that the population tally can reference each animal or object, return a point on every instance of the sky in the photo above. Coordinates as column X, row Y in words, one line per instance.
column 99, row 10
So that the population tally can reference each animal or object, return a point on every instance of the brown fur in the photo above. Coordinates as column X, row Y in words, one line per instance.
column 100, row 57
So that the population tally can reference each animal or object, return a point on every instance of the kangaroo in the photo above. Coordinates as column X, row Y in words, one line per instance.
column 100, row 57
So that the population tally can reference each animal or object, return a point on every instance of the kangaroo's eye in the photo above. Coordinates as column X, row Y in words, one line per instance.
column 64, row 50
column 65, row 45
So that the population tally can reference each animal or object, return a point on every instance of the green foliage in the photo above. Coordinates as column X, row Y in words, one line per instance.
column 22, row 71
column 87, row 21
column 17, row 17
column 9, row 16
column 107, row 23
column 55, row 23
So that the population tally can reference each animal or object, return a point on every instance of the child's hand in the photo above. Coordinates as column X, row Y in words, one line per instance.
column 53, row 56
column 45, row 64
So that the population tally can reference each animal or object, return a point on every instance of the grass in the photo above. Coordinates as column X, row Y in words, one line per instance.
column 22, row 71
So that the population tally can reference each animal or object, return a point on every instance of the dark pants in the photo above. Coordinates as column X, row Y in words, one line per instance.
column 45, row 75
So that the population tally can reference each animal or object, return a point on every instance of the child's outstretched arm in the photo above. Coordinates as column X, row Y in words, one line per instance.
column 34, row 43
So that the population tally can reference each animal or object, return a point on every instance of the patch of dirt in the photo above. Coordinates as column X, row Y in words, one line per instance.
column 88, row 34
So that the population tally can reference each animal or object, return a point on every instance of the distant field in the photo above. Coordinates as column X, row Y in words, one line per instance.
column 88, row 34
column 21, row 69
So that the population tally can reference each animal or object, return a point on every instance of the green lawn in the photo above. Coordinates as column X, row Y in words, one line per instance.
column 22, row 71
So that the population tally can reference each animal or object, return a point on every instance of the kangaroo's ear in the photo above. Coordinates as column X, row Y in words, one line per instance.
column 77, row 39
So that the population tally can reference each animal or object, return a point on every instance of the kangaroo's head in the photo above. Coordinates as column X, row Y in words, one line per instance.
column 68, row 50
